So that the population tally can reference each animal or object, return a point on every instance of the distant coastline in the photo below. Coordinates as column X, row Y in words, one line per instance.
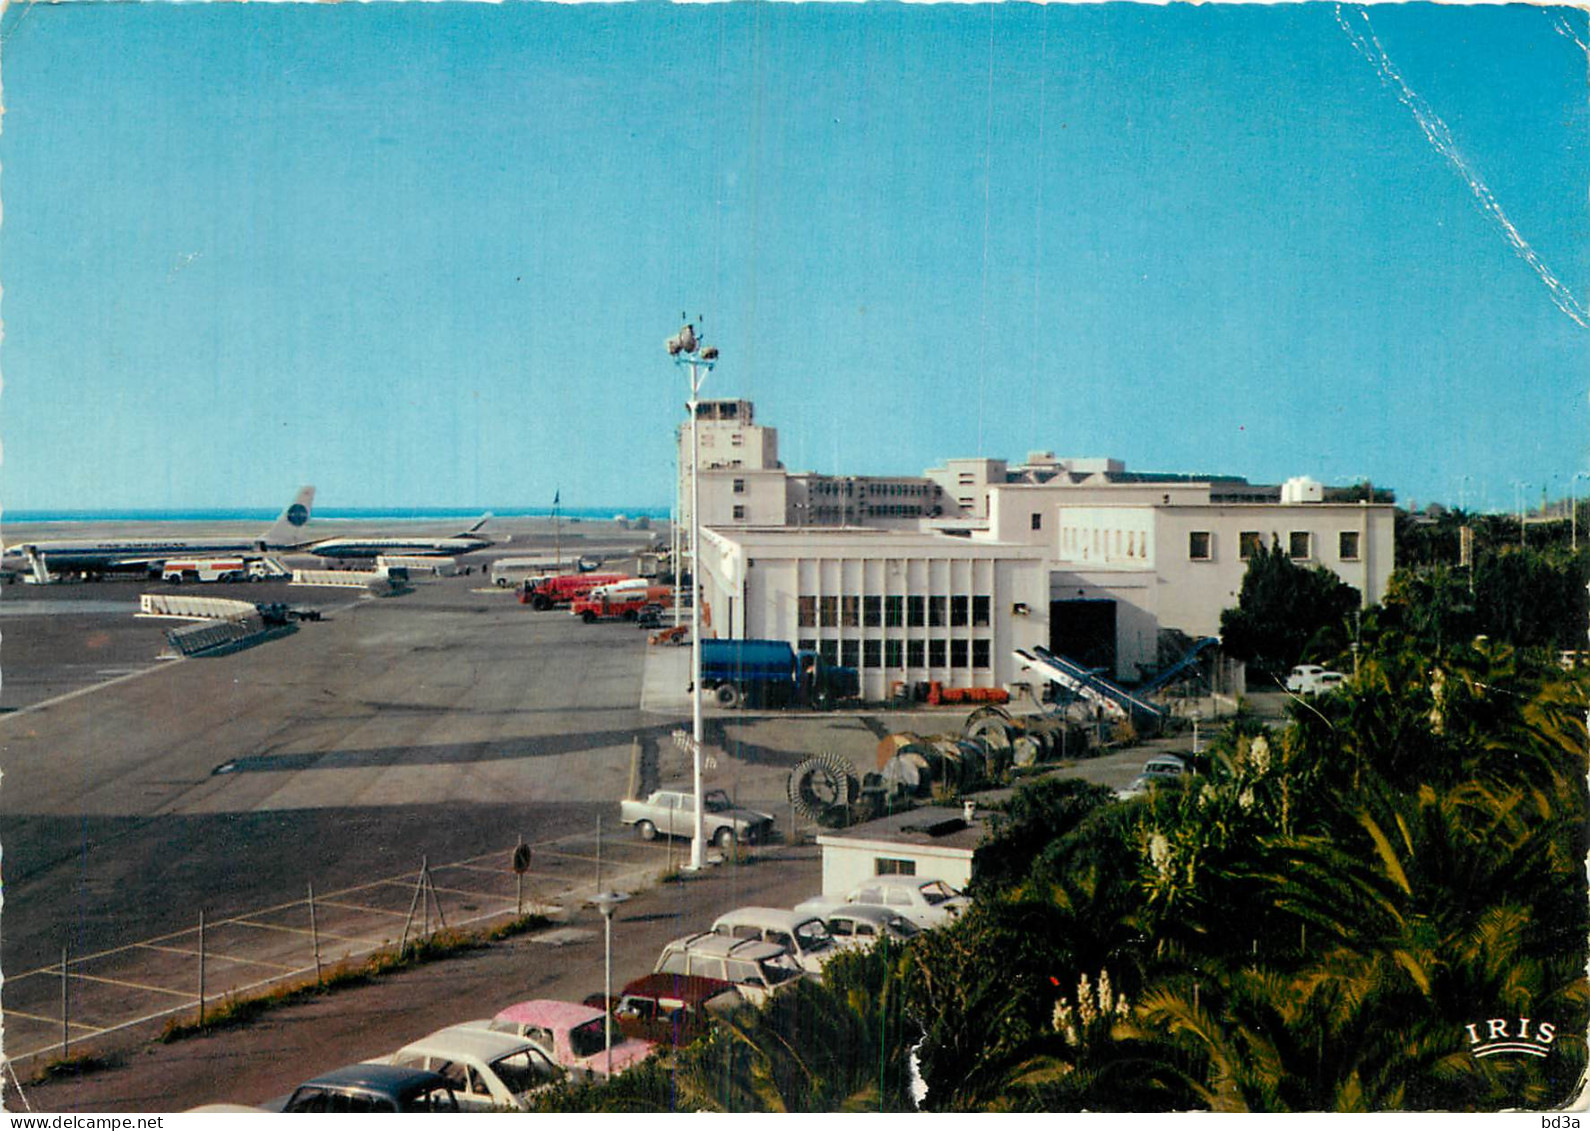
column 346, row 514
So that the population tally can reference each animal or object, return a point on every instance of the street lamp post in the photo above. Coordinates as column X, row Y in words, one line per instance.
column 687, row 349
column 1573, row 505
column 607, row 902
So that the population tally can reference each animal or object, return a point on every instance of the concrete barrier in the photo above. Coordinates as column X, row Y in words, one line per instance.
column 193, row 608
column 339, row 578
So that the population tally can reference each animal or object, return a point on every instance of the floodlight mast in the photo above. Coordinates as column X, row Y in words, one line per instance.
column 688, row 350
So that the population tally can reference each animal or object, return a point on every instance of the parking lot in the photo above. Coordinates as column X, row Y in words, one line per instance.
column 445, row 725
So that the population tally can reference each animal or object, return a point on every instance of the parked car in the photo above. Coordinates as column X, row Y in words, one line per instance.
column 574, row 1035
column 804, row 937
column 857, row 926
column 926, row 902
column 672, row 812
column 671, row 1009
column 1157, row 770
column 757, row 969
column 1311, row 679
column 361, row 1088
column 488, row 1071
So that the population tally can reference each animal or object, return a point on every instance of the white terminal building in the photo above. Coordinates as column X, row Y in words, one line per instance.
column 941, row 577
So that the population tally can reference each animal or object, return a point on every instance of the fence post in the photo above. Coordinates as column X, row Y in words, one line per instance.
column 408, row 920
column 598, row 852
column 201, row 967
column 518, row 883
column 425, row 902
column 314, row 933
column 430, row 885
column 66, row 1031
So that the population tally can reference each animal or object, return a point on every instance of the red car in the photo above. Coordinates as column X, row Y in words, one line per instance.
column 672, row 1009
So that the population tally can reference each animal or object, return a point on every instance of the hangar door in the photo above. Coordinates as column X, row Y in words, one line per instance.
column 1084, row 631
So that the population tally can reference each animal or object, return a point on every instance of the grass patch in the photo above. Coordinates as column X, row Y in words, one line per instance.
column 72, row 1066
column 232, row 1011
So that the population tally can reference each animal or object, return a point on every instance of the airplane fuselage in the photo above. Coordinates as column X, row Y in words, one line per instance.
column 396, row 547
column 126, row 554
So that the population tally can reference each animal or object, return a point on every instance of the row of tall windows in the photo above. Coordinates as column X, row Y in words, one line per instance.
column 1299, row 545
column 899, row 654
column 1096, row 543
column 894, row 611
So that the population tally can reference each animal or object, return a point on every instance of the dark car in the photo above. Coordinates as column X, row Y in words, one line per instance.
column 672, row 1009
column 373, row 1088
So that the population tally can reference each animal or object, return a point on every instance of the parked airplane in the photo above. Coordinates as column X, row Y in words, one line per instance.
column 83, row 556
column 464, row 542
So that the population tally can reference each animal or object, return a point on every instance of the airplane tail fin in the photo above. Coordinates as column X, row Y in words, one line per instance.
column 482, row 521
column 287, row 530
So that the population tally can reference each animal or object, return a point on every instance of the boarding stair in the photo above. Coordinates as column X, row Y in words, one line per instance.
column 39, row 568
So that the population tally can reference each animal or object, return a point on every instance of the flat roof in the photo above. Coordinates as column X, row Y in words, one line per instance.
column 930, row 826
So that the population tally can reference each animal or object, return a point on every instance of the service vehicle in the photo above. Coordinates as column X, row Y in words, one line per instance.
column 620, row 602
column 671, row 1009
column 363, row 1088
column 488, row 1071
column 1311, row 679
column 926, row 902
column 672, row 812
column 804, row 937
column 574, row 1035
column 758, row 969
column 548, row 590
column 178, row 570
column 771, row 673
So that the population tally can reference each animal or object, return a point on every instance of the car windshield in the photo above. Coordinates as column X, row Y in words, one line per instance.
column 937, row 892
column 779, row 970
column 813, row 935
column 524, row 1071
column 902, row 927
column 717, row 801
column 588, row 1039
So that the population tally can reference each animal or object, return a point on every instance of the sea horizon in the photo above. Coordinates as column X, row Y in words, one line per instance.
column 339, row 514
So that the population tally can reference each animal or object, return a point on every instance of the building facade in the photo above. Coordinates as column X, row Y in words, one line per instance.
column 1114, row 569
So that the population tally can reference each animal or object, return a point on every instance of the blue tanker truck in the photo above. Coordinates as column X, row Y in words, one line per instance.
column 769, row 673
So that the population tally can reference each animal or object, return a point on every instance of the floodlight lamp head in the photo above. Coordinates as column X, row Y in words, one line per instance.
column 710, row 354
column 687, row 339
column 673, row 346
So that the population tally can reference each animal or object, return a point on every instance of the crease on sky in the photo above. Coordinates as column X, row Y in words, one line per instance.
column 1440, row 138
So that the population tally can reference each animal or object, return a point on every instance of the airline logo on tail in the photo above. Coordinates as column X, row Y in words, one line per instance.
column 281, row 533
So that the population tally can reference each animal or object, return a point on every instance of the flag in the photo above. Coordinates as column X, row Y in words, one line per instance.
column 556, row 495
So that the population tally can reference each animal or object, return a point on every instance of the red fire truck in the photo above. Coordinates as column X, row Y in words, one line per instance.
column 561, row 588
column 623, row 602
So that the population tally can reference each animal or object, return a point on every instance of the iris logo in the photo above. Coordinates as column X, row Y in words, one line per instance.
column 297, row 514
column 1498, row 1041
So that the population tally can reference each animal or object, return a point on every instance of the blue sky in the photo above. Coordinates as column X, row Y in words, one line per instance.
column 428, row 254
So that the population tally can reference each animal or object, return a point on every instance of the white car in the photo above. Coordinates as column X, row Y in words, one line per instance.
column 488, row 1071
column 1311, row 679
column 926, row 902
column 857, row 926
column 1162, row 768
column 757, row 969
column 805, row 937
